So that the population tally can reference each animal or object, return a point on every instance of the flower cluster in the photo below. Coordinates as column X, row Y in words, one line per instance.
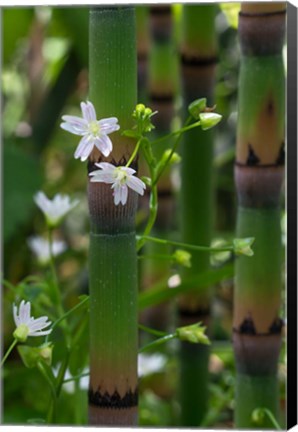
column 95, row 134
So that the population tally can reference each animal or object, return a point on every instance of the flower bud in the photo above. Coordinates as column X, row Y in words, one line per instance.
column 193, row 333
column 208, row 120
column 182, row 257
column 175, row 158
column 258, row 416
column 242, row 246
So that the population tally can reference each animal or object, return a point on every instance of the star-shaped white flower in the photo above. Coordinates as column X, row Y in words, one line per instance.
column 27, row 325
column 121, row 179
column 41, row 248
column 94, row 132
column 55, row 209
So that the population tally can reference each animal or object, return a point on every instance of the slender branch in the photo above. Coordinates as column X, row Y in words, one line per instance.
column 65, row 315
column 187, row 245
column 134, row 153
column 161, row 170
column 158, row 342
column 8, row 352
column 177, row 132
column 151, row 330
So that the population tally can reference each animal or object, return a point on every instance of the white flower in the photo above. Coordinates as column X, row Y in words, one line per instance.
column 55, row 209
column 41, row 248
column 149, row 364
column 94, row 132
column 121, row 178
column 27, row 325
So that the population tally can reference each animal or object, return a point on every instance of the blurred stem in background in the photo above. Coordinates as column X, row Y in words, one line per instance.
column 259, row 171
column 198, row 61
column 112, row 253
column 162, row 88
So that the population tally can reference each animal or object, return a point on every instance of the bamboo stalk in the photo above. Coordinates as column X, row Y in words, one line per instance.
column 162, row 84
column 112, row 258
column 259, row 171
column 198, row 57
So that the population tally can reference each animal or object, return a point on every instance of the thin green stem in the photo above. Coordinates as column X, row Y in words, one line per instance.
column 177, row 132
column 158, row 342
column 272, row 418
column 134, row 153
column 66, row 314
column 156, row 256
column 76, row 377
column 8, row 352
column 53, row 404
column 186, row 245
column 61, row 373
column 153, row 206
column 163, row 167
column 151, row 330
column 55, row 285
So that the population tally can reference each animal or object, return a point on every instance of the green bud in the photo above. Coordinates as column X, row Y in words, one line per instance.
column 21, row 333
column 32, row 355
column 208, row 120
column 258, row 416
column 196, row 107
column 182, row 257
column 147, row 112
column 140, row 108
column 242, row 246
column 146, row 180
column 193, row 333
column 45, row 352
column 175, row 158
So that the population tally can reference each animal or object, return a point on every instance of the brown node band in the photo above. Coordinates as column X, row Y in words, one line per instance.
column 196, row 61
column 121, row 162
column 261, row 14
column 115, row 401
column 159, row 97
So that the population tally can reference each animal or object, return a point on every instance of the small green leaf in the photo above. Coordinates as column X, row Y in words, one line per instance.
column 130, row 133
column 197, row 107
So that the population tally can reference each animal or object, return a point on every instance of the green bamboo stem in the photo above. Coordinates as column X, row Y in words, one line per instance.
column 259, row 173
column 162, row 64
column 112, row 257
column 198, row 56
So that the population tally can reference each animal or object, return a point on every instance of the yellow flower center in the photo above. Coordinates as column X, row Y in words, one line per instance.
column 94, row 128
column 121, row 175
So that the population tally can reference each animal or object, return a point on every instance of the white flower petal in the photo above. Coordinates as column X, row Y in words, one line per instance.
column 108, row 125
column 40, row 333
column 84, row 148
column 104, row 144
column 88, row 111
column 136, row 184
column 75, row 125
column 124, row 193
column 15, row 315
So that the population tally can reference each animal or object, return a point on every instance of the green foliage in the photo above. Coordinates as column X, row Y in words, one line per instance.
column 22, row 177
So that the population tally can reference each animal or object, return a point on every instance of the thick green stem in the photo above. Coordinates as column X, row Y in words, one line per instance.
column 198, row 58
column 259, row 172
column 112, row 255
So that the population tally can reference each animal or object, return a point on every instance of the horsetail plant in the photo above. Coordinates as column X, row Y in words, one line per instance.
column 162, row 87
column 259, row 170
column 198, row 61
